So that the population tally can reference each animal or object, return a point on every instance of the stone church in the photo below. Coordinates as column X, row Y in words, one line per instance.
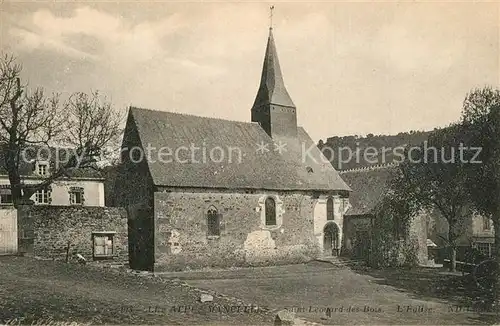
column 204, row 191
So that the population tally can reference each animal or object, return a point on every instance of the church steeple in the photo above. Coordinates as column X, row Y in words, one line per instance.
column 272, row 89
column 273, row 107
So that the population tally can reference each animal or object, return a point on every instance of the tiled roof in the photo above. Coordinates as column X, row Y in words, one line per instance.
column 368, row 188
column 256, row 170
column 28, row 161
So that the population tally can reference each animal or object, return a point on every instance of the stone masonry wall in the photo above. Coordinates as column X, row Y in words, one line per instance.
column 44, row 231
column 181, row 239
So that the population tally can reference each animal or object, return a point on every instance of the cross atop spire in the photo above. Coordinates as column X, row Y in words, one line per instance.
column 271, row 17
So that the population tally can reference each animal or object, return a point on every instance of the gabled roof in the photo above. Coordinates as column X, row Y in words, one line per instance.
column 50, row 155
column 256, row 170
column 368, row 188
column 272, row 88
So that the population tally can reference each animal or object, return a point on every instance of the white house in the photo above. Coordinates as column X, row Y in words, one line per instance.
column 84, row 187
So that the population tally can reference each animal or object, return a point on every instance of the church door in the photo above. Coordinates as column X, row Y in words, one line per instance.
column 331, row 240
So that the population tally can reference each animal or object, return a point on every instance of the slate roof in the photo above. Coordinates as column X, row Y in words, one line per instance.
column 27, row 167
column 272, row 88
column 256, row 170
column 368, row 188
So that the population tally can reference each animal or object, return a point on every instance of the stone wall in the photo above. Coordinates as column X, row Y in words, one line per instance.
column 134, row 191
column 340, row 205
column 181, row 239
column 44, row 231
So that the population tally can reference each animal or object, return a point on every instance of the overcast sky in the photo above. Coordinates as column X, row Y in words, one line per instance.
column 351, row 68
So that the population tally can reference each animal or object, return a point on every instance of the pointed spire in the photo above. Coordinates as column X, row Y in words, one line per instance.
column 272, row 88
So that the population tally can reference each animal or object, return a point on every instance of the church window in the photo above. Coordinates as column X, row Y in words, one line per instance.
column 329, row 209
column 213, row 222
column 270, row 211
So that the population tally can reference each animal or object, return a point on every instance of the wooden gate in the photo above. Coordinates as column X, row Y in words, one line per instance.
column 8, row 231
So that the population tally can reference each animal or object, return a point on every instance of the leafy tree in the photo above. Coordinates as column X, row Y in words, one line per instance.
column 30, row 118
column 392, row 218
column 434, row 176
column 481, row 118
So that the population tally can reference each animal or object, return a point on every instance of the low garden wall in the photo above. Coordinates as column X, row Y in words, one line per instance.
column 46, row 231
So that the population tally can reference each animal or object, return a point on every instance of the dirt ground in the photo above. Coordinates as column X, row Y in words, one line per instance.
column 327, row 294
column 34, row 291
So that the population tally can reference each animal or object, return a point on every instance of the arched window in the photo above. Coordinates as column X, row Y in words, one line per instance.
column 270, row 211
column 329, row 209
column 213, row 222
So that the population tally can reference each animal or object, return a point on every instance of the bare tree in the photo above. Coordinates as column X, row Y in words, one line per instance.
column 26, row 118
column 85, row 125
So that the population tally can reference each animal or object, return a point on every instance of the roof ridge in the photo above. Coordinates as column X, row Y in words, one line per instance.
column 191, row 115
column 370, row 168
column 200, row 116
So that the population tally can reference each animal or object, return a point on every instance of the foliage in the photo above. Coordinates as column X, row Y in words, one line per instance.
column 380, row 142
column 434, row 176
column 391, row 225
column 481, row 118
